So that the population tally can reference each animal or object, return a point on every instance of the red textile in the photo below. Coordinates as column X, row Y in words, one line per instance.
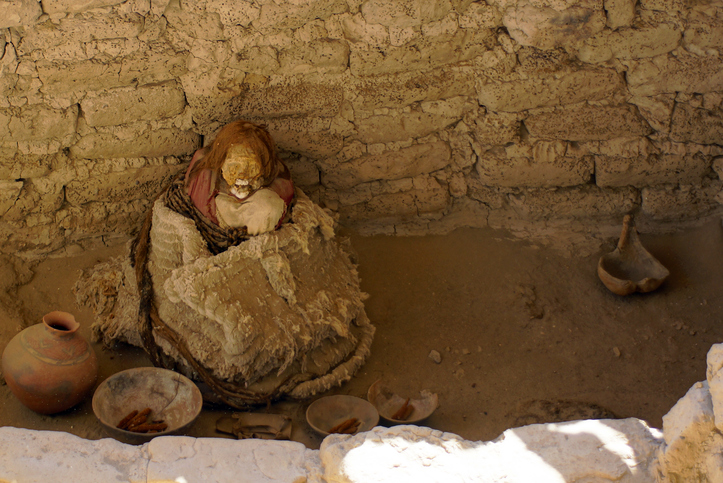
column 202, row 189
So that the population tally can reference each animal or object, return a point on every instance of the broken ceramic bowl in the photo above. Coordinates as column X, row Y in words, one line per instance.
column 171, row 397
column 330, row 411
column 630, row 267
column 256, row 425
column 388, row 403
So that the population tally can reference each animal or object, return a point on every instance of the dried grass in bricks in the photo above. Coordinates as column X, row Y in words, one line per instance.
column 403, row 412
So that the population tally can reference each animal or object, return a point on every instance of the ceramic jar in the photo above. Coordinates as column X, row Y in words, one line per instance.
column 49, row 367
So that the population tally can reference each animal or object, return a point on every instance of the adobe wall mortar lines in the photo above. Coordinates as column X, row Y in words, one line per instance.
column 349, row 88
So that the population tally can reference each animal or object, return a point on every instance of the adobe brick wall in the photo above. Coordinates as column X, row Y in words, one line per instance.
column 411, row 116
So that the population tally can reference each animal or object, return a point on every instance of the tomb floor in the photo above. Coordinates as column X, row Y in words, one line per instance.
column 527, row 334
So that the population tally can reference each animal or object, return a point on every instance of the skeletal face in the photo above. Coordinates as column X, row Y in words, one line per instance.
column 242, row 170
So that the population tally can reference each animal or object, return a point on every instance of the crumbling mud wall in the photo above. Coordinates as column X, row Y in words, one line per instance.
column 404, row 116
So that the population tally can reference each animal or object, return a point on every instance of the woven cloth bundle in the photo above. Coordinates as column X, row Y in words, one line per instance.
column 255, row 318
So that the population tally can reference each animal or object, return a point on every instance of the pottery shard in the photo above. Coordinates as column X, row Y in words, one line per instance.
column 131, row 184
column 545, row 164
column 683, row 72
column 124, row 105
column 587, row 123
column 702, row 126
column 304, row 99
column 561, row 88
column 14, row 13
column 546, row 28
column 150, row 143
column 33, row 123
column 404, row 163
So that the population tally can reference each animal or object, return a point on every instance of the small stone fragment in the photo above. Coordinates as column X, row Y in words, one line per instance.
column 465, row 351
column 435, row 356
column 616, row 351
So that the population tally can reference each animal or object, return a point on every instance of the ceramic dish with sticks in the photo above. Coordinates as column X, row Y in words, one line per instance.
column 341, row 414
column 396, row 409
column 139, row 404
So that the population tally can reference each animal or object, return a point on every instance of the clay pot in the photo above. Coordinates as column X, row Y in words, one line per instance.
column 630, row 267
column 49, row 366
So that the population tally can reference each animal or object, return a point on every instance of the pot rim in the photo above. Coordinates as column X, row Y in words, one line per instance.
column 59, row 322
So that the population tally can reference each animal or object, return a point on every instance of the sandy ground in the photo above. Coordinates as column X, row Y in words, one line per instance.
column 526, row 334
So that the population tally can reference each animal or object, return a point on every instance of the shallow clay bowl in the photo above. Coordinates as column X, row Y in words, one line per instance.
column 388, row 403
column 327, row 412
column 630, row 267
column 171, row 396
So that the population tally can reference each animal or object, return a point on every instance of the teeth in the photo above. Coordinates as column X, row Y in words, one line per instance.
column 242, row 182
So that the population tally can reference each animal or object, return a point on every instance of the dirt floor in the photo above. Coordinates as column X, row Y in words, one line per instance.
column 526, row 334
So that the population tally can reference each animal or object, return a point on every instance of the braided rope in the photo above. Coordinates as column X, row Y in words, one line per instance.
column 218, row 239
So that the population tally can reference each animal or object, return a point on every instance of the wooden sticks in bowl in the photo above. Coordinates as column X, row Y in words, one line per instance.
column 138, row 422
column 403, row 412
column 350, row 426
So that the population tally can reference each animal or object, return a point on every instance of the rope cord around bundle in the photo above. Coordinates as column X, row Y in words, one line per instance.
column 218, row 240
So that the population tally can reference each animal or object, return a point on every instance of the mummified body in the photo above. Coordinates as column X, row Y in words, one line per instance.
column 242, row 281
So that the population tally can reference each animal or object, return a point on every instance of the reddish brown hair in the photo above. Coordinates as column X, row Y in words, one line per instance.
column 253, row 136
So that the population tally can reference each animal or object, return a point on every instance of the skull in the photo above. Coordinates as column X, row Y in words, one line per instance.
column 242, row 170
